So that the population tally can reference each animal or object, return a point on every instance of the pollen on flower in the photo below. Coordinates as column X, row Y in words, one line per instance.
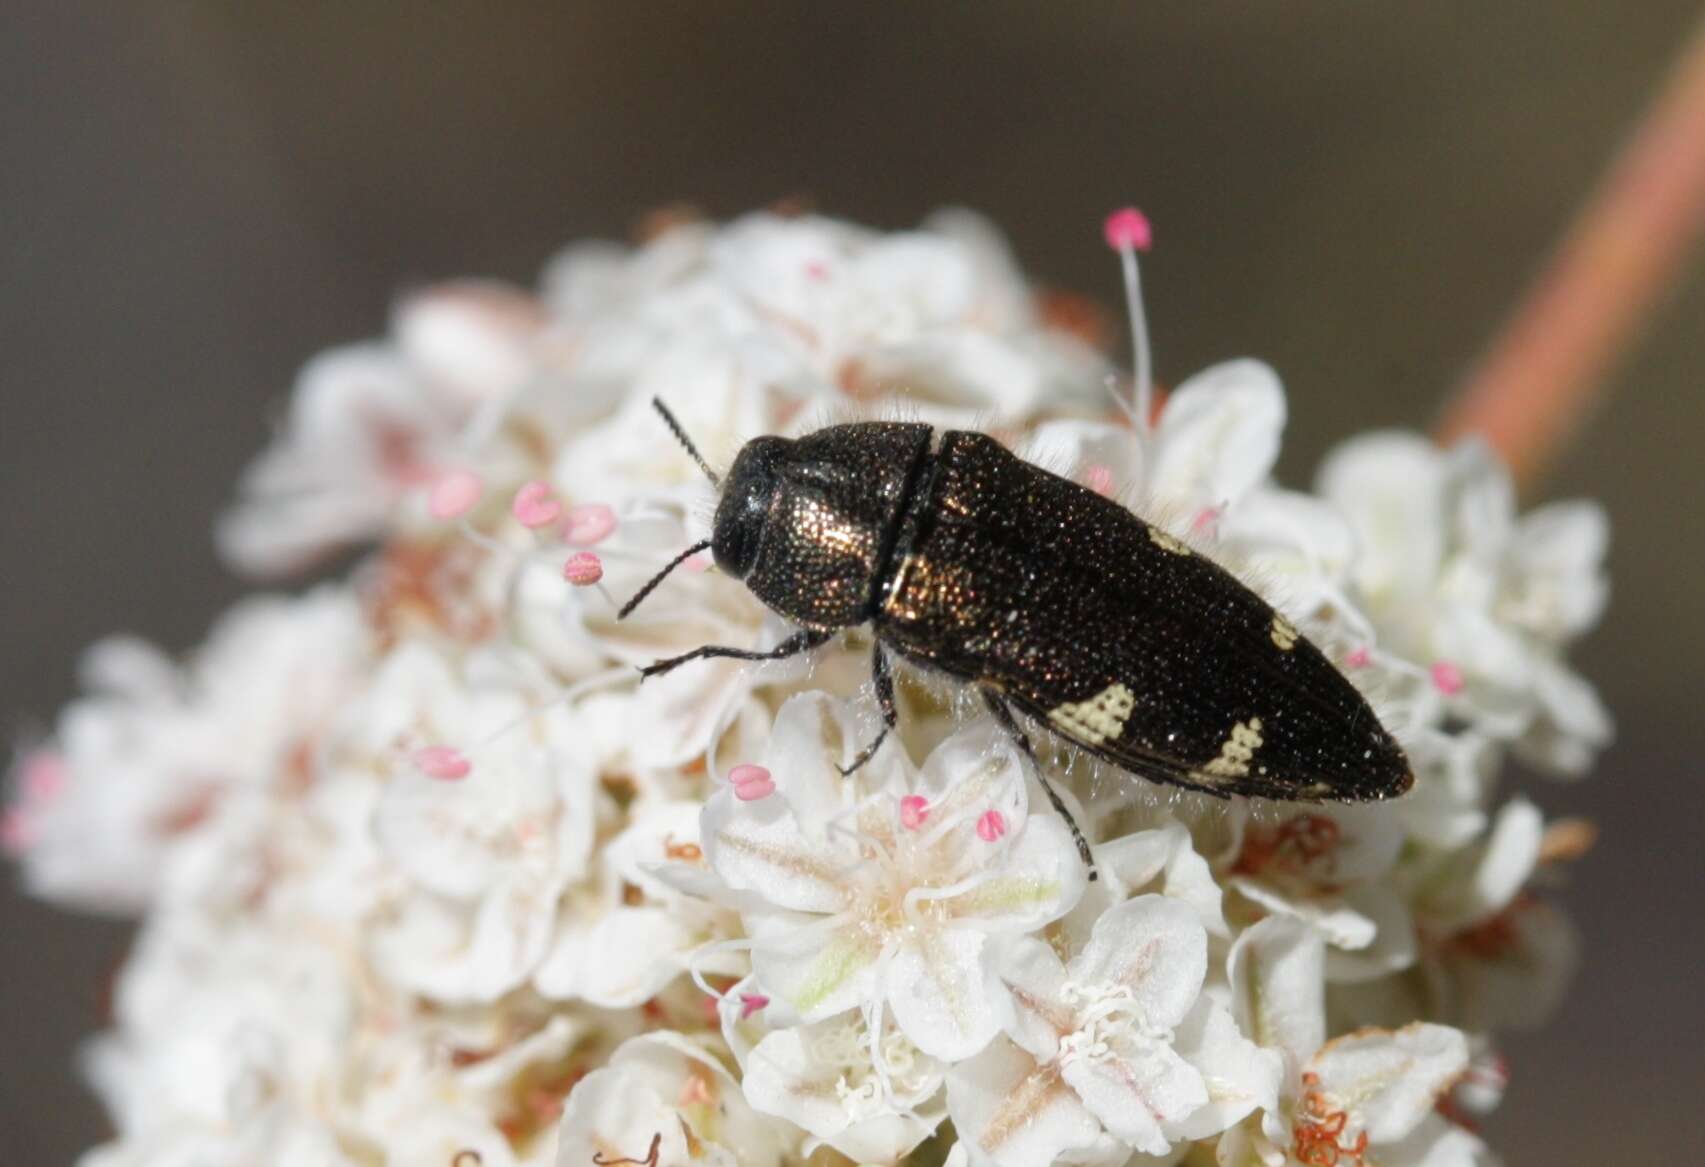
column 751, row 782
column 1128, row 228
column 991, row 826
column 42, row 776
column 1318, row 1140
column 454, row 494
column 1099, row 478
column 534, row 506
column 914, row 809
column 1447, row 678
column 17, row 834
column 583, row 569
column 1357, row 658
column 1291, row 846
column 443, row 762
column 588, row 524
column 750, row 1003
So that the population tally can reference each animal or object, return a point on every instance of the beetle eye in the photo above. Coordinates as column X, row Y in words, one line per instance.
column 745, row 504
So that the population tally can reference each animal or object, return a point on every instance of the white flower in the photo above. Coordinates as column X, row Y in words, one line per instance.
column 663, row 1092
column 429, row 876
column 1369, row 1092
column 1326, row 866
column 485, row 853
column 872, row 1098
column 144, row 759
column 371, row 424
column 1457, row 584
column 1092, row 1052
column 854, row 895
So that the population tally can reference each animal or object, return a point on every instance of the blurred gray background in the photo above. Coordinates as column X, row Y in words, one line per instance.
column 194, row 197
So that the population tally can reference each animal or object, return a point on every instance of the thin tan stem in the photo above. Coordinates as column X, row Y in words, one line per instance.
column 1539, row 381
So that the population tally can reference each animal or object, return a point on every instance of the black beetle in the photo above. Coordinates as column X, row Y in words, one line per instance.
column 1048, row 597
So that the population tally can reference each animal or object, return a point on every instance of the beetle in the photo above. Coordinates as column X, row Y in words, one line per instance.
column 1061, row 606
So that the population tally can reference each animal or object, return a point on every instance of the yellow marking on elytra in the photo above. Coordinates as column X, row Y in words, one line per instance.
column 1166, row 542
column 1284, row 633
column 1235, row 752
column 1103, row 716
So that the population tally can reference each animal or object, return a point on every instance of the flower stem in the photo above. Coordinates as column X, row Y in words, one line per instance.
column 1538, row 382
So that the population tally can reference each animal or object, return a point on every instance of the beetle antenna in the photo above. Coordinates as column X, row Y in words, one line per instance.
column 651, row 584
column 681, row 436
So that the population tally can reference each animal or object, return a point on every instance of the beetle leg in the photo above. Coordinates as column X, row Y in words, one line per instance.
column 804, row 640
column 885, row 698
column 1004, row 716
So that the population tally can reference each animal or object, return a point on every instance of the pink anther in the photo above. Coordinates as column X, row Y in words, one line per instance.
column 1128, row 229
column 816, row 269
column 583, row 569
column 750, row 1003
column 698, row 564
column 17, row 833
column 443, row 762
column 1357, row 658
column 914, row 809
column 454, row 494
column 751, row 782
column 588, row 524
column 535, row 506
column 991, row 826
column 1099, row 479
column 1206, row 520
column 42, row 776
column 1447, row 678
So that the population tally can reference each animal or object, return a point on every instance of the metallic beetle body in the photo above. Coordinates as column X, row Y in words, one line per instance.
column 971, row 562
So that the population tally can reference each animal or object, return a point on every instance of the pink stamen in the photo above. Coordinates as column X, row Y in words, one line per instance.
column 1207, row 520
column 583, row 569
column 1357, row 658
column 443, row 762
column 534, row 505
column 1128, row 228
column 588, row 525
column 1099, row 479
column 991, row 826
column 17, row 833
column 455, row 494
column 750, row 1003
column 914, row 809
column 751, row 782
column 43, row 776
column 1447, row 678
column 816, row 269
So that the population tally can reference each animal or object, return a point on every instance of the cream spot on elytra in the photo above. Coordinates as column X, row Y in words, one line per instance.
column 1166, row 542
column 1235, row 752
column 1284, row 633
column 1103, row 716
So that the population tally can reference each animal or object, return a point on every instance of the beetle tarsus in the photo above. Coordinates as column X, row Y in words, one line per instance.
column 1004, row 716
column 884, row 680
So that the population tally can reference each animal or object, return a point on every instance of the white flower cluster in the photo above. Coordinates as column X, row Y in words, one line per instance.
column 427, row 877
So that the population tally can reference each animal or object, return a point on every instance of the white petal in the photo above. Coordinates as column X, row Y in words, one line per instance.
column 945, row 996
column 1036, row 979
column 1142, row 1085
column 1219, row 434
column 1010, row 1112
column 1155, row 948
column 1277, row 970
column 818, row 967
column 1390, row 486
column 1239, row 1075
column 1389, row 1081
